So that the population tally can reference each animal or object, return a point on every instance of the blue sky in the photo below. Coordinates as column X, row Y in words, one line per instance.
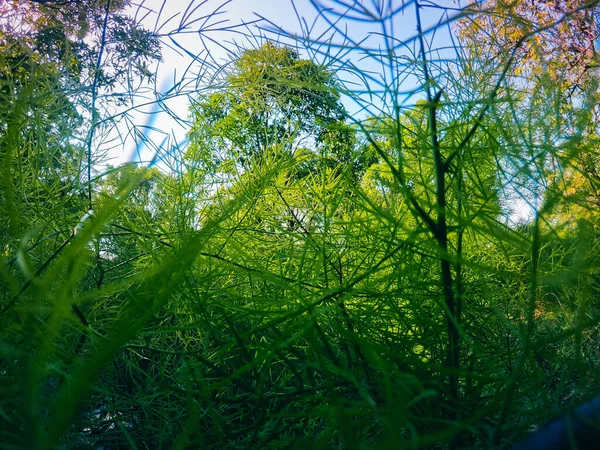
column 197, row 45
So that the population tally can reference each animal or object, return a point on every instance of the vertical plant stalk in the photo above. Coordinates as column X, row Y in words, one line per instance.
column 441, row 236
column 459, row 243
column 440, row 232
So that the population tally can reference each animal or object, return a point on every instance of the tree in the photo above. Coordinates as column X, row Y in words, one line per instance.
column 557, row 38
column 56, row 58
column 72, row 35
column 271, row 97
column 549, row 53
column 57, row 62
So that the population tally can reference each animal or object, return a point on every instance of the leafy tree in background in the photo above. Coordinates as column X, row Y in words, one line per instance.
column 60, row 64
column 549, row 45
column 49, row 59
column 555, row 39
column 553, row 45
column 70, row 36
column 272, row 97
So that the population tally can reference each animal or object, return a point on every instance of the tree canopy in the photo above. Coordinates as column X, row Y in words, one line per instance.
column 272, row 97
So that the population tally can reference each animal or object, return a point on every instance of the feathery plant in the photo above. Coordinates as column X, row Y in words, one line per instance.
column 333, row 261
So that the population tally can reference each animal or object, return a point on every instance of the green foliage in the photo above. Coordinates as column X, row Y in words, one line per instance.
column 301, row 276
column 272, row 98
column 65, row 36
